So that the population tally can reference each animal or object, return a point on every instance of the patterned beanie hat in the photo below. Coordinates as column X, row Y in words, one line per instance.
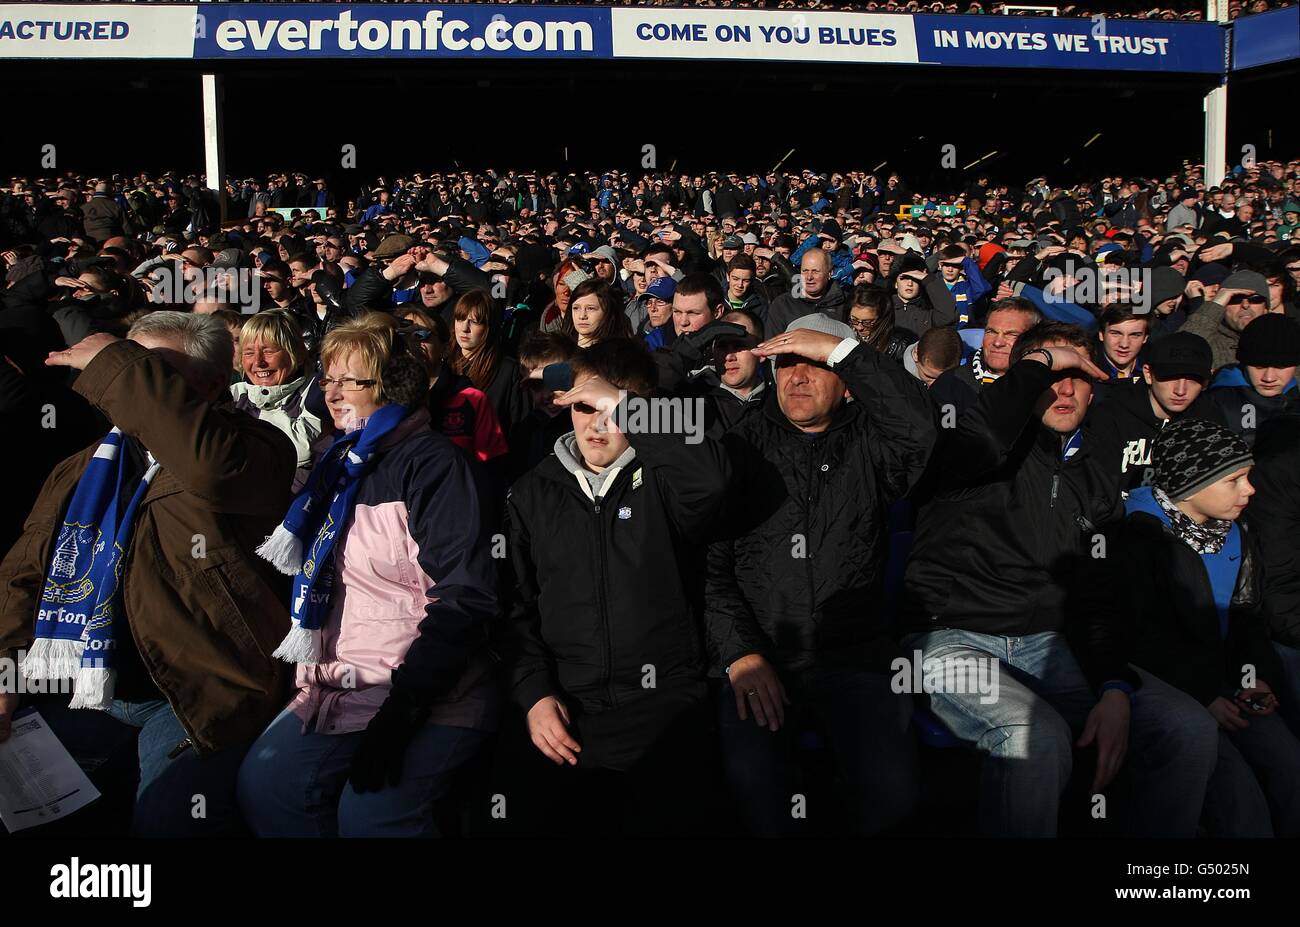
column 1192, row 453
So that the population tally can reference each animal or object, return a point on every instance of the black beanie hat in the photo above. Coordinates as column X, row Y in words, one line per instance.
column 1270, row 340
column 1192, row 453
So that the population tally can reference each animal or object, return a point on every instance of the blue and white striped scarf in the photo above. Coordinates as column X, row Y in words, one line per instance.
column 82, row 596
column 319, row 515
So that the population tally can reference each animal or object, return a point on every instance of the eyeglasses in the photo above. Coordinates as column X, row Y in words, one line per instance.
column 955, row 265
column 1252, row 299
column 863, row 325
column 347, row 384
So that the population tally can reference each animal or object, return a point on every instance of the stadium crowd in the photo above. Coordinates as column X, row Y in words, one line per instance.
column 600, row 502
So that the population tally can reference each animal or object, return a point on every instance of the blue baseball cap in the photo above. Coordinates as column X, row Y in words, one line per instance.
column 662, row 288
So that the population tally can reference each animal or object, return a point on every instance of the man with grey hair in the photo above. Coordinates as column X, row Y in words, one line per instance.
column 814, row 291
column 135, row 574
column 791, row 580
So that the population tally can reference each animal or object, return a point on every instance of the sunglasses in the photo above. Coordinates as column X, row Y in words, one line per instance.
column 1253, row 300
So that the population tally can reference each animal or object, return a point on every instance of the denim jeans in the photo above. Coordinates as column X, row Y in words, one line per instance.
column 865, row 726
column 1028, row 732
column 1255, row 790
column 178, row 796
column 296, row 785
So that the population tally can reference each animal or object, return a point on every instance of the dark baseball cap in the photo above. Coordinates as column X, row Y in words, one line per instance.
column 1180, row 354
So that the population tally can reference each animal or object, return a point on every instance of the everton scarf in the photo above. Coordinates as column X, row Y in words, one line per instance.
column 315, row 520
column 83, row 586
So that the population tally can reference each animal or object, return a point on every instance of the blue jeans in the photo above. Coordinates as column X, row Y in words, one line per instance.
column 178, row 796
column 865, row 726
column 296, row 785
column 1027, row 734
column 1255, row 790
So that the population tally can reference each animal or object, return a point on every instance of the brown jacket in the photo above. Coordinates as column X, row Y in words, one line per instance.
column 204, row 621
column 104, row 218
column 1208, row 321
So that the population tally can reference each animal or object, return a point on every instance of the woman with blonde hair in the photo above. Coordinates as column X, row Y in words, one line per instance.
column 276, row 384
column 393, row 592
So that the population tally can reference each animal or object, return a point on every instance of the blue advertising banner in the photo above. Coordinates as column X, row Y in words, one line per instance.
column 1266, row 38
column 238, row 31
column 1054, row 42
column 327, row 30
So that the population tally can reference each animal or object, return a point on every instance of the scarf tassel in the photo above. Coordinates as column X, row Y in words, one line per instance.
column 300, row 645
column 283, row 550
column 93, row 688
column 50, row 658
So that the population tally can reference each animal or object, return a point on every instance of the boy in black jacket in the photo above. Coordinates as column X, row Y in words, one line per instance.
column 1192, row 579
column 606, row 649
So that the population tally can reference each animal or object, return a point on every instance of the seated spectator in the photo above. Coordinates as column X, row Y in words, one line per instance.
column 785, row 608
column 536, row 435
column 595, row 316
column 1275, row 516
column 938, row 351
column 658, row 330
column 590, row 621
column 871, row 316
column 1241, row 298
column 456, row 408
column 1121, row 335
column 477, row 353
column 153, row 641
column 743, row 292
column 1016, row 489
column 961, row 275
column 1175, row 370
column 921, row 301
column 1191, row 573
column 1262, row 383
column 813, row 291
column 276, row 382
column 1007, row 320
column 393, row 592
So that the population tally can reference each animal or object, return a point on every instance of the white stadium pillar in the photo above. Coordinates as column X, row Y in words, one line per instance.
column 214, row 148
column 1216, row 111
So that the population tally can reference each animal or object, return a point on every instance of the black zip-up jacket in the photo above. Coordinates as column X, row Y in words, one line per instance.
column 797, row 572
column 1160, row 585
column 1274, row 513
column 1005, row 530
column 1124, row 429
column 1242, row 410
column 602, row 588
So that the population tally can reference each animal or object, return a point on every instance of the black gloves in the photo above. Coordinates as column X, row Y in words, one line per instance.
column 702, row 340
column 378, row 760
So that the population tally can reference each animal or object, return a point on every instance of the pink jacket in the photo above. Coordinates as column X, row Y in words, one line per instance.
column 387, row 585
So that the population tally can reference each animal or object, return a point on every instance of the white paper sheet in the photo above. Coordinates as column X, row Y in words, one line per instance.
column 39, row 780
